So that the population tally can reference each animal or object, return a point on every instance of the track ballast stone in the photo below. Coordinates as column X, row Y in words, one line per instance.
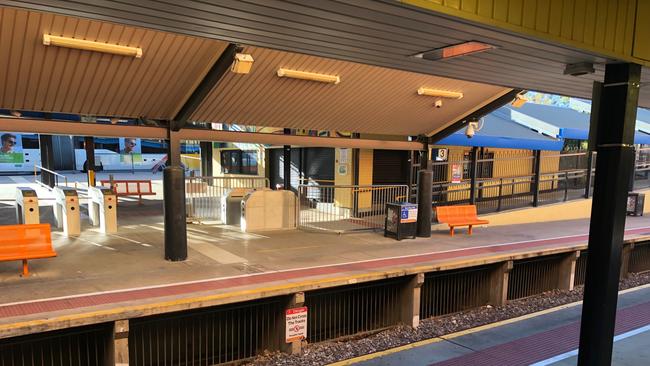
column 338, row 350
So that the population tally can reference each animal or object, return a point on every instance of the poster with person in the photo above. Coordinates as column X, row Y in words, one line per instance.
column 11, row 148
column 130, row 150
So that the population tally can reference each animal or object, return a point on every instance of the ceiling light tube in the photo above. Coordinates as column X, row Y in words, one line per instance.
column 439, row 93
column 82, row 44
column 304, row 75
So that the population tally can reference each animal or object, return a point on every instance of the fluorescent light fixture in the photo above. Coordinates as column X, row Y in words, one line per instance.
column 82, row 44
column 242, row 63
column 312, row 76
column 462, row 49
column 439, row 93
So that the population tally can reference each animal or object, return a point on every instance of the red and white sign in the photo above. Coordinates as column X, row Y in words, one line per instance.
column 456, row 173
column 296, row 322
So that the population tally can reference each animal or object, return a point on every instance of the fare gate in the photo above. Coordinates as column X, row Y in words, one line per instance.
column 102, row 208
column 66, row 210
column 27, row 211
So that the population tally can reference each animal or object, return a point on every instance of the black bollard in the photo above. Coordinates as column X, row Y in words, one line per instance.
column 425, row 200
column 175, row 224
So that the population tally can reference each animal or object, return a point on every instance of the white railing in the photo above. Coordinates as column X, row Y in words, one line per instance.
column 346, row 208
column 56, row 177
column 203, row 195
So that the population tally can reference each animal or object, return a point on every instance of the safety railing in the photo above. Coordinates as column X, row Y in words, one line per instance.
column 203, row 195
column 48, row 178
column 346, row 208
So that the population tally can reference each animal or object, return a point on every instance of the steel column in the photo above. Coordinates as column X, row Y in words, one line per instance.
column 473, row 167
column 174, row 202
column 206, row 158
column 425, row 203
column 287, row 162
column 614, row 144
column 47, row 159
column 537, row 170
column 89, row 146
column 590, row 166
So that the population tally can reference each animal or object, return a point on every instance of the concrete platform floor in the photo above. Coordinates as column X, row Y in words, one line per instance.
column 129, row 265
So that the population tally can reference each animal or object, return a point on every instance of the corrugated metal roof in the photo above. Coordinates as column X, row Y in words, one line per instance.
column 368, row 99
column 382, row 33
column 53, row 79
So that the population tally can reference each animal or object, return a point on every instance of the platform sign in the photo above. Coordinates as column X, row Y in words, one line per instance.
column 456, row 173
column 296, row 324
column 408, row 213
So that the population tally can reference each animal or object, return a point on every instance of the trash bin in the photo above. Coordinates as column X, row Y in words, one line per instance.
column 401, row 220
column 635, row 202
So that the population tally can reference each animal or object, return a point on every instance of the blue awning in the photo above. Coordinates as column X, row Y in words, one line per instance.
column 499, row 132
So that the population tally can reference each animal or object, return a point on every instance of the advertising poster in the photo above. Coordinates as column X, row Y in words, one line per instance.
column 130, row 150
column 456, row 173
column 11, row 148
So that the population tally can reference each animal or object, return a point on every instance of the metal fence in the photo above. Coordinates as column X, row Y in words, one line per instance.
column 519, row 180
column 343, row 311
column 203, row 195
column 456, row 290
column 346, row 208
column 79, row 346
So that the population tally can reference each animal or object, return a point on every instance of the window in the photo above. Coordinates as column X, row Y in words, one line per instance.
column 239, row 162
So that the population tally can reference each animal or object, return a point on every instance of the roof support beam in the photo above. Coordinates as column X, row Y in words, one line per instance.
column 80, row 128
column 485, row 110
column 206, row 85
column 23, row 125
column 303, row 141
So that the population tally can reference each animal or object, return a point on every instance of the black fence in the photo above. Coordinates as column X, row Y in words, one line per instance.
column 504, row 183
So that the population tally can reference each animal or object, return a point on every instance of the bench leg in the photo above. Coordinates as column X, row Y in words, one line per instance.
column 451, row 231
column 470, row 230
column 25, row 268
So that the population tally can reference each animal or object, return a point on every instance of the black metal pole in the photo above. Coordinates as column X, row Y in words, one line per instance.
column 590, row 166
column 89, row 146
column 473, row 165
column 206, row 158
column 537, row 170
column 616, row 118
column 174, row 203
column 287, row 162
column 425, row 203
column 47, row 159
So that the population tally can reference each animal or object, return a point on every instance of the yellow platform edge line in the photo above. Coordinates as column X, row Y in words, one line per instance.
column 425, row 342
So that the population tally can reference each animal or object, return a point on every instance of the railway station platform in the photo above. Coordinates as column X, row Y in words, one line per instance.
column 99, row 277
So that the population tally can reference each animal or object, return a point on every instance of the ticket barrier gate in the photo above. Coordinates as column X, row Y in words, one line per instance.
column 66, row 210
column 27, row 206
column 102, row 208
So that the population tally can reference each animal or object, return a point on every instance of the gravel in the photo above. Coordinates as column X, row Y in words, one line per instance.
column 327, row 352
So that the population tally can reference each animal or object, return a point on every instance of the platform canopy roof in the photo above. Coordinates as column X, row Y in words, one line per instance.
column 534, row 40
column 370, row 99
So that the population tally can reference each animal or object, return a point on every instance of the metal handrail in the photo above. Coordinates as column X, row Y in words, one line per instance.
column 65, row 179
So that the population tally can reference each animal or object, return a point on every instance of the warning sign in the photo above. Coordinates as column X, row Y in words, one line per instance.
column 296, row 320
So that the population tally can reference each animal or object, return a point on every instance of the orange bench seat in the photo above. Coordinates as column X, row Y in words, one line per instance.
column 461, row 215
column 25, row 242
